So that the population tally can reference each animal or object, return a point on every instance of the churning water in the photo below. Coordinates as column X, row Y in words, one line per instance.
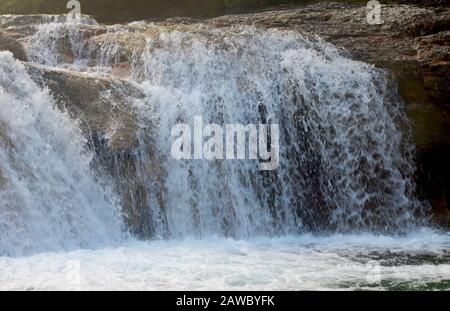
column 345, row 172
column 338, row 262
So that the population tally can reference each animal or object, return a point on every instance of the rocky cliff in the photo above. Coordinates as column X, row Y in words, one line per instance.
column 413, row 43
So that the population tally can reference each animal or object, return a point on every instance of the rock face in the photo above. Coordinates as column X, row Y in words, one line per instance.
column 3, row 140
column 103, row 109
column 8, row 43
column 95, row 102
column 412, row 43
column 2, row 180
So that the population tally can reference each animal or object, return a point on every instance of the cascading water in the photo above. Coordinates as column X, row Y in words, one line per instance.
column 55, row 34
column 50, row 198
column 84, row 177
column 344, row 162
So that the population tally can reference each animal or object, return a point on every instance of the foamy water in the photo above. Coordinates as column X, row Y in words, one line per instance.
column 339, row 262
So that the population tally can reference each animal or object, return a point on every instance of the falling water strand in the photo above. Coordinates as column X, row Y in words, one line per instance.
column 49, row 197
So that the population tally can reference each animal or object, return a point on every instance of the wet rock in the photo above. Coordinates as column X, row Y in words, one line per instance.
column 105, row 113
column 8, row 43
column 409, row 37
column 116, row 48
column 413, row 43
column 5, row 142
column 23, row 20
column 12, row 21
column 95, row 101
column 3, row 181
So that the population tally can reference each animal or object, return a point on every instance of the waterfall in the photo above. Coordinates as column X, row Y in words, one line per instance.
column 345, row 164
column 345, row 160
column 56, row 34
column 50, row 198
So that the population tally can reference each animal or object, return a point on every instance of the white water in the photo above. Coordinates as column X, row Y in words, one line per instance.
column 343, row 161
column 345, row 166
column 339, row 262
column 50, row 198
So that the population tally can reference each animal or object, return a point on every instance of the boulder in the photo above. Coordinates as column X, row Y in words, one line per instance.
column 8, row 43
column 103, row 107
